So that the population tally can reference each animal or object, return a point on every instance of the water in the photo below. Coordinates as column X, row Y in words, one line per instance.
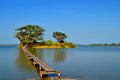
column 83, row 62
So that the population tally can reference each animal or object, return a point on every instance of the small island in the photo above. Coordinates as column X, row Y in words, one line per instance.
column 32, row 36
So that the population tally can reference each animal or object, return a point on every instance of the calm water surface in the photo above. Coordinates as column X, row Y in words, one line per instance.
column 83, row 62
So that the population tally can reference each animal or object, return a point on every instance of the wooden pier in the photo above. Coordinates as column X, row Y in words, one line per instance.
column 41, row 67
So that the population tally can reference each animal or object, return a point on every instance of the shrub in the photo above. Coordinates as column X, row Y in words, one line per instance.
column 49, row 43
column 70, row 44
column 62, row 45
column 55, row 44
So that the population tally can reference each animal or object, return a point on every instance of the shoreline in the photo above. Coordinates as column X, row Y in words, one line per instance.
column 52, row 47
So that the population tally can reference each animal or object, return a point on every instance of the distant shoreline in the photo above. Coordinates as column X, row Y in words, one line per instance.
column 7, row 44
column 113, row 44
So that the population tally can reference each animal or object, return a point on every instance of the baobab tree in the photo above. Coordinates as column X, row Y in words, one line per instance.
column 29, row 34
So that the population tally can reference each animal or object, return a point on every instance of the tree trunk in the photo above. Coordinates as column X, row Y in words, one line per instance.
column 21, row 44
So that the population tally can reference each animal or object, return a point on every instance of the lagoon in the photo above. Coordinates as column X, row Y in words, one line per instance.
column 83, row 62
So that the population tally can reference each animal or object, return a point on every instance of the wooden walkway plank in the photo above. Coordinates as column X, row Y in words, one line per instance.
column 43, row 67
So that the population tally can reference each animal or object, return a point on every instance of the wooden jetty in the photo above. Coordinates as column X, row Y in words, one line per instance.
column 42, row 68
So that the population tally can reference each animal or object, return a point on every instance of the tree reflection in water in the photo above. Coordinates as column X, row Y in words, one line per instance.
column 59, row 55
column 40, row 53
column 22, row 62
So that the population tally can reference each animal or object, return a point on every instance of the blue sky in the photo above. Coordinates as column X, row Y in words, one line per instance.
column 84, row 21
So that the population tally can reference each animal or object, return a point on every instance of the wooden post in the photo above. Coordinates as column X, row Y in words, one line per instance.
column 58, row 75
column 40, row 75
column 40, row 72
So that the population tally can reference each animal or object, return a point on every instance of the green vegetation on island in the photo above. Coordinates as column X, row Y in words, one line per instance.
column 32, row 36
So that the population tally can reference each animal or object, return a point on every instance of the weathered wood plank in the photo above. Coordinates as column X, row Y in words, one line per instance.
column 43, row 67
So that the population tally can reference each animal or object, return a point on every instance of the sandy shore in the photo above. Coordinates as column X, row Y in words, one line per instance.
column 51, row 47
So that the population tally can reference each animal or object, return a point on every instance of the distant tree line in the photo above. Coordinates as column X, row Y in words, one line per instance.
column 32, row 35
column 107, row 44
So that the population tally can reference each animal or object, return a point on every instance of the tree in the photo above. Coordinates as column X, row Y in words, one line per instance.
column 29, row 34
column 113, row 44
column 59, row 36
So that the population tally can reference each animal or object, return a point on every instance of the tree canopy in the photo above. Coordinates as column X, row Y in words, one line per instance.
column 29, row 34
column 59, row 36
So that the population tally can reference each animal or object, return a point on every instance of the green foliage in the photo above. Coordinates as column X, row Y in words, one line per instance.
column 70, row 44
column 32, row 36
column 49, row 43
column 56, row 44
column 29, row 34
column 59, row 36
